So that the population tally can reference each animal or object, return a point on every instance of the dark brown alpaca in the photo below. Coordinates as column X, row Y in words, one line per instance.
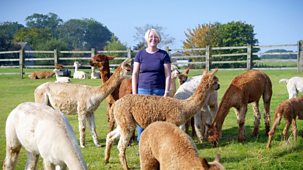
column 290, row 109
column 245, row 88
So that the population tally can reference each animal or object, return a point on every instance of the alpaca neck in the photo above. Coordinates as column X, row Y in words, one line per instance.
column 198, row 99
column 76, row 68
column 223, row 110
column 105, row 74
column 110, row 85
column 173, row 87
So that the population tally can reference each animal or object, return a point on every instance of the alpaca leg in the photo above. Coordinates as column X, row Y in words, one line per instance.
column 147, row 160
column 285, row 130
column 241, row 121
column 82, row 126
column 126, row 135
column 11, row 157
column 257, row 116
column 32, row 160
column 110, row 138
column 294, row 129
column 48, row 166
column 198, row 126
column 272, row 131
column 266, row 101
column 92, row 125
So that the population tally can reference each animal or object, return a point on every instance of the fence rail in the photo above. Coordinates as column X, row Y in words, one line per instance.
column 243, row 57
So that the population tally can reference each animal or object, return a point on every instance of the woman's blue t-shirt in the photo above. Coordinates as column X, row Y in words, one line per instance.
column 151, row 71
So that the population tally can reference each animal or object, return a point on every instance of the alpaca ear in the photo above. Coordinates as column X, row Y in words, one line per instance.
column 110, row 57
column 126, row 62
column 204, row 163
column 186, row 71
column 215, row 70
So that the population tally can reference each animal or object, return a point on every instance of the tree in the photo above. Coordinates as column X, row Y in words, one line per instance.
column 7, row 31
column 114, row 44
column 166, row 40
column 84, row 34
column 50, row 21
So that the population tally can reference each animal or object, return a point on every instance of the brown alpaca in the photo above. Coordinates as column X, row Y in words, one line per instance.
column 81, row 99
column 143, row 110
column 172, row 149
column 245, row 88
column 290, row 109
column 41, row 74
column 102, row 62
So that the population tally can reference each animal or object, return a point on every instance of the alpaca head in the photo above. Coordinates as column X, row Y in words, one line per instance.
column 126, row 68
column 215, row 165
column 102, row 62
column 76, row 64
column 183, row 76
column 213, row 134
column 210, row 80
column 174, row 71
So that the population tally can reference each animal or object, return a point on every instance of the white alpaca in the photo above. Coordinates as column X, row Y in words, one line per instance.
column 144, row 110
column 41, row 130
column 61, row 79
column 172, row 149
column 81, row 99
column 94, row 74
column 207, row 113
column 78, row 74
column 175, row 73
column 294, row 86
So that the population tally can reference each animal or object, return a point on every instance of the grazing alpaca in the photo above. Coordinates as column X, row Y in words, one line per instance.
column 294, row 86
column 41, row 75
column 245, row 88
column 81, row 99
column 60, row 79
column 41, row 130
column 78, row 74
column 205, row 115
column 290, row 109
column 94, row 74
column 173, row 149
column 143, row 110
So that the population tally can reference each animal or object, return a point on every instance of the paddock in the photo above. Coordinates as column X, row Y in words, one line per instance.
column 251, row 154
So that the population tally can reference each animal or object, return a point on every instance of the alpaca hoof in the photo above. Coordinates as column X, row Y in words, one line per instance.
column 241, row 139
column 82, row 146
column 98, row 145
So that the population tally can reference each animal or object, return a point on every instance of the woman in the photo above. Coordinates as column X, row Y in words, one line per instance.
column 151, row 70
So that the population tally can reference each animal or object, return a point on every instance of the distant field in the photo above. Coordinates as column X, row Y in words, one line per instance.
column 251, row 154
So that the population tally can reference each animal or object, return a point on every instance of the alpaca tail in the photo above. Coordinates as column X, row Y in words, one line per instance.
column 283, row 81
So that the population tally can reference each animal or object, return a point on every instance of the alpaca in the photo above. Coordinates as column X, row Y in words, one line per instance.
column 245, row 88
column 207, row 112
column 81, row 99
column 41, row 75
column 175, row 73
column 60, row 79
column 173, row 149
column 41, row 130
column 143, row 110
column 290, row 109
column 94, row 74
column 102, row 62
column 294, row 86
column 78, row 74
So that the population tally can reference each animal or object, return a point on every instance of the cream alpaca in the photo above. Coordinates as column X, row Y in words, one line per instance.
column 143, row 110
column 172, row 149
column 78, row 74
column 61, row 79
column 41, row 130
column 81, row 99
column 206, row 114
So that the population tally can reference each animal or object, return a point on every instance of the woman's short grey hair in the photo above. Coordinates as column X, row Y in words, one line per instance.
column 151, row 30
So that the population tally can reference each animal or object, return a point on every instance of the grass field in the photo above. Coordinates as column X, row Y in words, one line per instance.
column 251, row 154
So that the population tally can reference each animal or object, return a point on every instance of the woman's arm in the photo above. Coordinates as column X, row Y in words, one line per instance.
column 167, row 71
column 135, row 76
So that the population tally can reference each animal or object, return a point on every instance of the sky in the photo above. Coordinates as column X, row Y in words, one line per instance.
column 275, row 22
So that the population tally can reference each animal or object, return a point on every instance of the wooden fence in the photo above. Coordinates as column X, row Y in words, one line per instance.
column 244, row 57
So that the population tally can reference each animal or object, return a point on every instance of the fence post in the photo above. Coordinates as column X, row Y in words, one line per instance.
column 208, row 57
column 129, row 53
column 249, row 57
column 21, row 62
column 56, row 57
column 93, row 52
column 300, row 56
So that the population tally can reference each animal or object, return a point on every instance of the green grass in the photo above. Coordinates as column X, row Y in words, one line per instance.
column 251, row 154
